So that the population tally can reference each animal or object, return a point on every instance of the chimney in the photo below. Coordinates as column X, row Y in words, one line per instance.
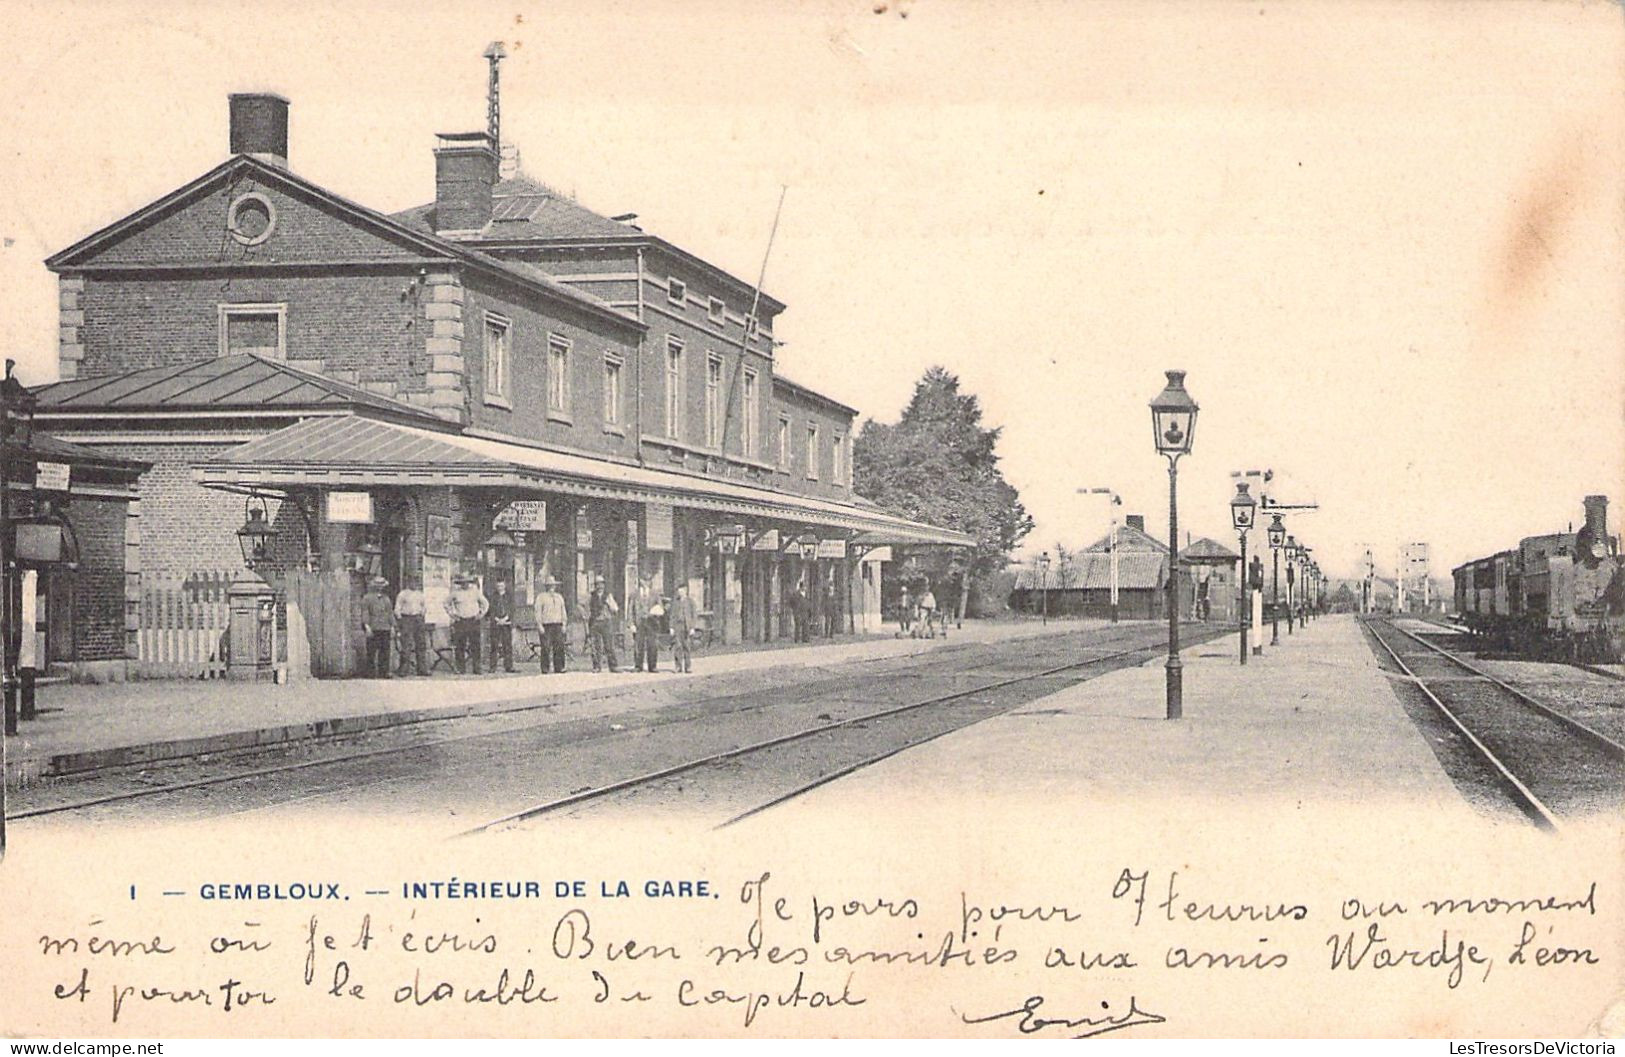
column 259, row 126
column 1597, row 516
column 1135, row 521
column 465, row 173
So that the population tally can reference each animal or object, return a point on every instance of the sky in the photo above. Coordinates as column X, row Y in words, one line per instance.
column 1386, row 241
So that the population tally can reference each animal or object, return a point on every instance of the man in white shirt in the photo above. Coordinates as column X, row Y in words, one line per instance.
column 550, row 617
column 467, row 606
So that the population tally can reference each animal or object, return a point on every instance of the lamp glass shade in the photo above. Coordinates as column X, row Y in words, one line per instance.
column 254, row 535
column 1277, row 532
column 1173, row 416
column 1242, row 508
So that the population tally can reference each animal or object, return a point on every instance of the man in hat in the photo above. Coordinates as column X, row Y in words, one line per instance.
column 601, row 614
column 466, row 606
column 646, row 627
column 550, row 616
column 377, row 624
column 501, row 614
column 409, row 613
column 685, row 617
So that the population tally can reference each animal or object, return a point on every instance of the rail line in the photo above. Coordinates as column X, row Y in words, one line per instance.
column 343, row 758
column 1514, row 732
column 627, row 784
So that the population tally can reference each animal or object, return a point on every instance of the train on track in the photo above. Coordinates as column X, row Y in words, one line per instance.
column 1560, row 595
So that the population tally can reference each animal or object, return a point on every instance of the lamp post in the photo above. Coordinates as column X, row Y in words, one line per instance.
column 1291, row 550
column 1308, row 584
column 1043, row 573
column 1277, row 535
column 16, row 433
column 1116, row 501
column 1242, row 509
column 1173, row 424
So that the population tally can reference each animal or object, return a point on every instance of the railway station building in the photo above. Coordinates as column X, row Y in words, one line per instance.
column 499, row 383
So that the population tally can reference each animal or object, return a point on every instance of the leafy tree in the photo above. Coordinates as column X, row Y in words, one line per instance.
column 937, row 464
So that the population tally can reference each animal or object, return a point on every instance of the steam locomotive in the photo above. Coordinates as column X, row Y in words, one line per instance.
column 1558, row 596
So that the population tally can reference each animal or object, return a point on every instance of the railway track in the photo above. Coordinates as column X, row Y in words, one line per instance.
column 242, row 783
column 1548, row 763
column 846, row 745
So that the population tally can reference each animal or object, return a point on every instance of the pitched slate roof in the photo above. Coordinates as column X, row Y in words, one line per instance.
column 1129, row 538
column 243, row 380
column 420, row 237
column 1092, row 570
column 525, row 209
column 1208, row 550
column 522, row 207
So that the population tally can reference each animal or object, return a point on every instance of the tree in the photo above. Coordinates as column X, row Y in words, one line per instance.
column 937, row 464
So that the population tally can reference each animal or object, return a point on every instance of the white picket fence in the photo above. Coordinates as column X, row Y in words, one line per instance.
column 182, row 629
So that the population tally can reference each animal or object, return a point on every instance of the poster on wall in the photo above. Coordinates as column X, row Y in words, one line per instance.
column 436, row 586
column 832, row 548
column 583, row 535
column 525, row 515
column 437, row 538
column 768, row 540
column 657, row 517
column 349, row 508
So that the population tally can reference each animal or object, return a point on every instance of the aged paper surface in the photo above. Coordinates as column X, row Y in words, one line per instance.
column 1470, row 152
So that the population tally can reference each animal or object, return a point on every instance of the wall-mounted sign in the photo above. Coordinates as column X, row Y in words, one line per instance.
column 767, row 541
column 349, row 508
column 583, row 535
column 39, row 542
column 51, row 477
column 657, row 517
column 831, row 548
column 526, row 515
column 437, row 537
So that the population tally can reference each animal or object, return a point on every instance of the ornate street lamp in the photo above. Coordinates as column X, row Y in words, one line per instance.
column 1043, row 574
column 1242, row 508
column 1277, row 536
column 1173, row 422
column 255, row 535
column 1290, row 552
column 1308, row 584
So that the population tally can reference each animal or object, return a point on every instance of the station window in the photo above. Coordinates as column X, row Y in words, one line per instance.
column 715, row 310
column 612, row 392
column 497, row 363
column 713, row 401
column 674, row 388
column 558, row 376
column 812, row 451
column 837, row 473
column 784, row 442
column 676, row 291
column 256, row 329
column 753, row 414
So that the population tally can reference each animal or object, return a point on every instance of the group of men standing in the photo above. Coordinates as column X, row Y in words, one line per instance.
column 468, row 610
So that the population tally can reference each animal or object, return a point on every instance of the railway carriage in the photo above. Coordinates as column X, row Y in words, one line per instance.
column 1561, row 594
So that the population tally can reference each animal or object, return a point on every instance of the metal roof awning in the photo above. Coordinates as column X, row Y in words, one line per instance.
column 354, row 452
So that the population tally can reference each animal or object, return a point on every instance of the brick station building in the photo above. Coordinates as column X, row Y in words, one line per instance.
column 499, row 382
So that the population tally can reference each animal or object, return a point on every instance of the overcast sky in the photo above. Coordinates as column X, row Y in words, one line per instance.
column 1384, row 241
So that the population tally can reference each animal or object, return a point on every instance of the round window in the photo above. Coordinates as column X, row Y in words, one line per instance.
column 251, row 219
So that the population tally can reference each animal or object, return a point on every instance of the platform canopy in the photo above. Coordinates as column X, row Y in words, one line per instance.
column 354, row 452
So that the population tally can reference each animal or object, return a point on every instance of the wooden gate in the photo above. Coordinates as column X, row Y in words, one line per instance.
column 182, row 630
column 332, row 625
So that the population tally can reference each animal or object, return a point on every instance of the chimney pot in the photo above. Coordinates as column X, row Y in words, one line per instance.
column 1135, row 521
column 259, row 126
column 1597, row 516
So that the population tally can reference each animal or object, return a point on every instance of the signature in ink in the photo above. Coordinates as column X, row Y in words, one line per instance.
column 1028, row 1020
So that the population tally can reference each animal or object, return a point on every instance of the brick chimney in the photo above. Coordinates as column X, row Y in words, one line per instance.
column 1597, row 516
column 259, row 126
column 465, row 172
column 1135, row 521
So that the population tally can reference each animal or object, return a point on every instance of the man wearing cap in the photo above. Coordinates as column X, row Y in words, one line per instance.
column 550, row 615
column 377, row 624
column 685, row 617
column 466, row 606
column 501, row 614
column 409, row 613
column 601, row 613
